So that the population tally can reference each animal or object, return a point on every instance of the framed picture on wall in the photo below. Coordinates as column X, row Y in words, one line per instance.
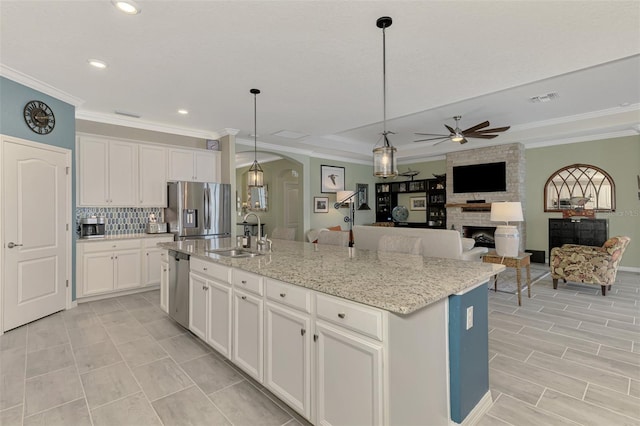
column 331, row 179
column 321, row 204
column 418, row 203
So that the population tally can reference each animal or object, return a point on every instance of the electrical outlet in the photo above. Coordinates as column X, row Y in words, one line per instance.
column 469, row 317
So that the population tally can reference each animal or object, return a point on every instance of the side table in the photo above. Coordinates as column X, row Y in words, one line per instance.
column 522, row 259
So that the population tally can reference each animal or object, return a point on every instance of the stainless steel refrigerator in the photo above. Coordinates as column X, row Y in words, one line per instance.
column 198, row 210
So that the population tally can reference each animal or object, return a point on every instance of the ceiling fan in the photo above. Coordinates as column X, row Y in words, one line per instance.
column 460, row 136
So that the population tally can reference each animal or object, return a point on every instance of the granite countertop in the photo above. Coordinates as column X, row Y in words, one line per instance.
column 398, row 283
column 123, row 237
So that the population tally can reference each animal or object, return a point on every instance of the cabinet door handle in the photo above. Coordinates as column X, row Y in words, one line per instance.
column 111, row 257
column 283, row 294
column 342, row 315
column 315, row 337
column 204, row 287
column 243, row 297
column 116, row 257
column 244, row 281
column 147, row 254
column 303, row 331
column 204, row 269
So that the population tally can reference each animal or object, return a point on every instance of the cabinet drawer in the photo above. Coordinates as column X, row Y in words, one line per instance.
column 248, row 281
column 356, row 317
column 210, row 269
column 93, row 247
column 154, row 241
column 287, row 294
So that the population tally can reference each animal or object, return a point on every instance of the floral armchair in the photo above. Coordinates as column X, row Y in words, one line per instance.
column 588, row 264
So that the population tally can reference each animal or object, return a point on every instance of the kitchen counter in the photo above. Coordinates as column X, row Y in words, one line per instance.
column 123, row 237
column 398, row 283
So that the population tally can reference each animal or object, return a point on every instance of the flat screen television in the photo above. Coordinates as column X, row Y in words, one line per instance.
column 486, row 177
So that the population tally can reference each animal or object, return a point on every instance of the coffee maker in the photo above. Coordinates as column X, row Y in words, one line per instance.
column 92, row 227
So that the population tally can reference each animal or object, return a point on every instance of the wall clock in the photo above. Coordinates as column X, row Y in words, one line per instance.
column 39, row 117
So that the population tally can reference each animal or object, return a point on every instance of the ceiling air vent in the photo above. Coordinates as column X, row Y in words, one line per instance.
column 128, row 114
column 545, row 98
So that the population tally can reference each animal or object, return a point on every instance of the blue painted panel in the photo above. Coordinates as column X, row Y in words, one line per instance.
column 13, row 97
column 468, row 352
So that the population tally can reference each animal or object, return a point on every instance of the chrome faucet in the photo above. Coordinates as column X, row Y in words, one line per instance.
column 244, row 219
column 262, row 243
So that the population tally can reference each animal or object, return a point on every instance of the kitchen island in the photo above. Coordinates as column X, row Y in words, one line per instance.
column 382, row 338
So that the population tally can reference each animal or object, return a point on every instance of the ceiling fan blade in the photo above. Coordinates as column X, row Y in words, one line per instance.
column 480, row 136
column 432, row 139
column 476, row 127
column 496, row 130
column 432, row 134
column 449, row 128
column 463, row 141
column 443, row 140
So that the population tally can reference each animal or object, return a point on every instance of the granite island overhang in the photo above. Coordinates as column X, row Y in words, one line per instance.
column 398, row 283
column 434, row 367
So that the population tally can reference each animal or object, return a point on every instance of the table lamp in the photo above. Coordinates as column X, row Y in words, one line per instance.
column 506, row 236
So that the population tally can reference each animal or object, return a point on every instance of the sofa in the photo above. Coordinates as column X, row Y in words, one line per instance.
column 435, row 242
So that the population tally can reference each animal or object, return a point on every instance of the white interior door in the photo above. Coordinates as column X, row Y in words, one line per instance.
column 291, row 204
column 34, row 231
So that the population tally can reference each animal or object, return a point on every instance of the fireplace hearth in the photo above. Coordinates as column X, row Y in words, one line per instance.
column 483, row 235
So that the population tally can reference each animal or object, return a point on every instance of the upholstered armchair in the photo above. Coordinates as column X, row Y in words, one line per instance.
column 588, row 264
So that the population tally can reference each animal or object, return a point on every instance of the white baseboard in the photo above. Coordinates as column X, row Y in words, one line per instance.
column 478, row 411
column 117, row 293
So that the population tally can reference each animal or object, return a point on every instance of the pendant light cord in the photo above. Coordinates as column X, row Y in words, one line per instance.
column 384, row 86
column 255, row 128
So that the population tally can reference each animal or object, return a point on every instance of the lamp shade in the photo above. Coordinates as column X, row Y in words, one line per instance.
column 345, row 196
column 506, row 212
column 385, row 161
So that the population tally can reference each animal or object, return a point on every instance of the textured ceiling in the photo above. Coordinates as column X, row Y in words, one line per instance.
column 319, row 66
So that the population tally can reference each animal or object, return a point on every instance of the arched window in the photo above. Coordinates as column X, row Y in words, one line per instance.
column 579, row 186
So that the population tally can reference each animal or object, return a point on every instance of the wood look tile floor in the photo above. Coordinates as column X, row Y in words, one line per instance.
column 565, row 357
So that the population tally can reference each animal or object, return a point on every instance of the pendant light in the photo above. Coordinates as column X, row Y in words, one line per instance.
column 384, row 157
column 256, row 175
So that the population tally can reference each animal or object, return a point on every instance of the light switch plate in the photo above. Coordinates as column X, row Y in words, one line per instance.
column 469, row 317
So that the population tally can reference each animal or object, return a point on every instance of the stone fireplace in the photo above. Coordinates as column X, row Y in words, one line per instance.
column 483, row 235
column 463, row 212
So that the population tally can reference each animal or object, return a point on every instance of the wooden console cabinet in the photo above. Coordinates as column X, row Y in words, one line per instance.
column 588, row 232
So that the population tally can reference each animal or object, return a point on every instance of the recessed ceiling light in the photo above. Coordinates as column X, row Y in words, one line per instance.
column 129, row 6
column 97, row 63
column 183, row 111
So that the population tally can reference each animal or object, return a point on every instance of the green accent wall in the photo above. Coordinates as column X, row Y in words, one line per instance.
column 620, row 157
column 353, row 173
column 13, row 97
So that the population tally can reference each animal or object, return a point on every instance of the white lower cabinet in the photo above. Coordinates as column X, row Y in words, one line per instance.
column 164, row 286
column 198, row 305
column 152, row 258
column 219, row 322
column 288, row 336
column 105, row 266
column 248, row 333
column 349, row 377
column 108, row 266
column 210, row 304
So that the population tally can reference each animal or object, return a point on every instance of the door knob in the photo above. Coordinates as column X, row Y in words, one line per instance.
column 12, row 245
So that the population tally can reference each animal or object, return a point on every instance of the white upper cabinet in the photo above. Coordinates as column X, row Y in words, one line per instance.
column 153, row 176
column 190, row 165
column 123, row 173
column 108, row 172
column 93, row 175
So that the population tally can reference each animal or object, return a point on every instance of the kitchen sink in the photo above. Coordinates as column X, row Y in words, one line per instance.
column 235, row 252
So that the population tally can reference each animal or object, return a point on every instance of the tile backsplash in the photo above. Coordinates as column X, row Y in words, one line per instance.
column 119, row 220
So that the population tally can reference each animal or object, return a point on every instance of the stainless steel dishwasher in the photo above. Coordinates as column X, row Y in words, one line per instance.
column 179, row 287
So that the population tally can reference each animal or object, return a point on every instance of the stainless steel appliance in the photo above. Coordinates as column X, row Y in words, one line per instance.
column 198, row 210
column 92, row 227
column 179, row 287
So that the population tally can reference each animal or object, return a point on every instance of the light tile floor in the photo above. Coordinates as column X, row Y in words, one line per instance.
column 566, row 357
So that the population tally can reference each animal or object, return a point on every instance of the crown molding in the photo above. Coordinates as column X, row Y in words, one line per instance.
column 136, row 123
column 228, row 131
column 27, row 80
